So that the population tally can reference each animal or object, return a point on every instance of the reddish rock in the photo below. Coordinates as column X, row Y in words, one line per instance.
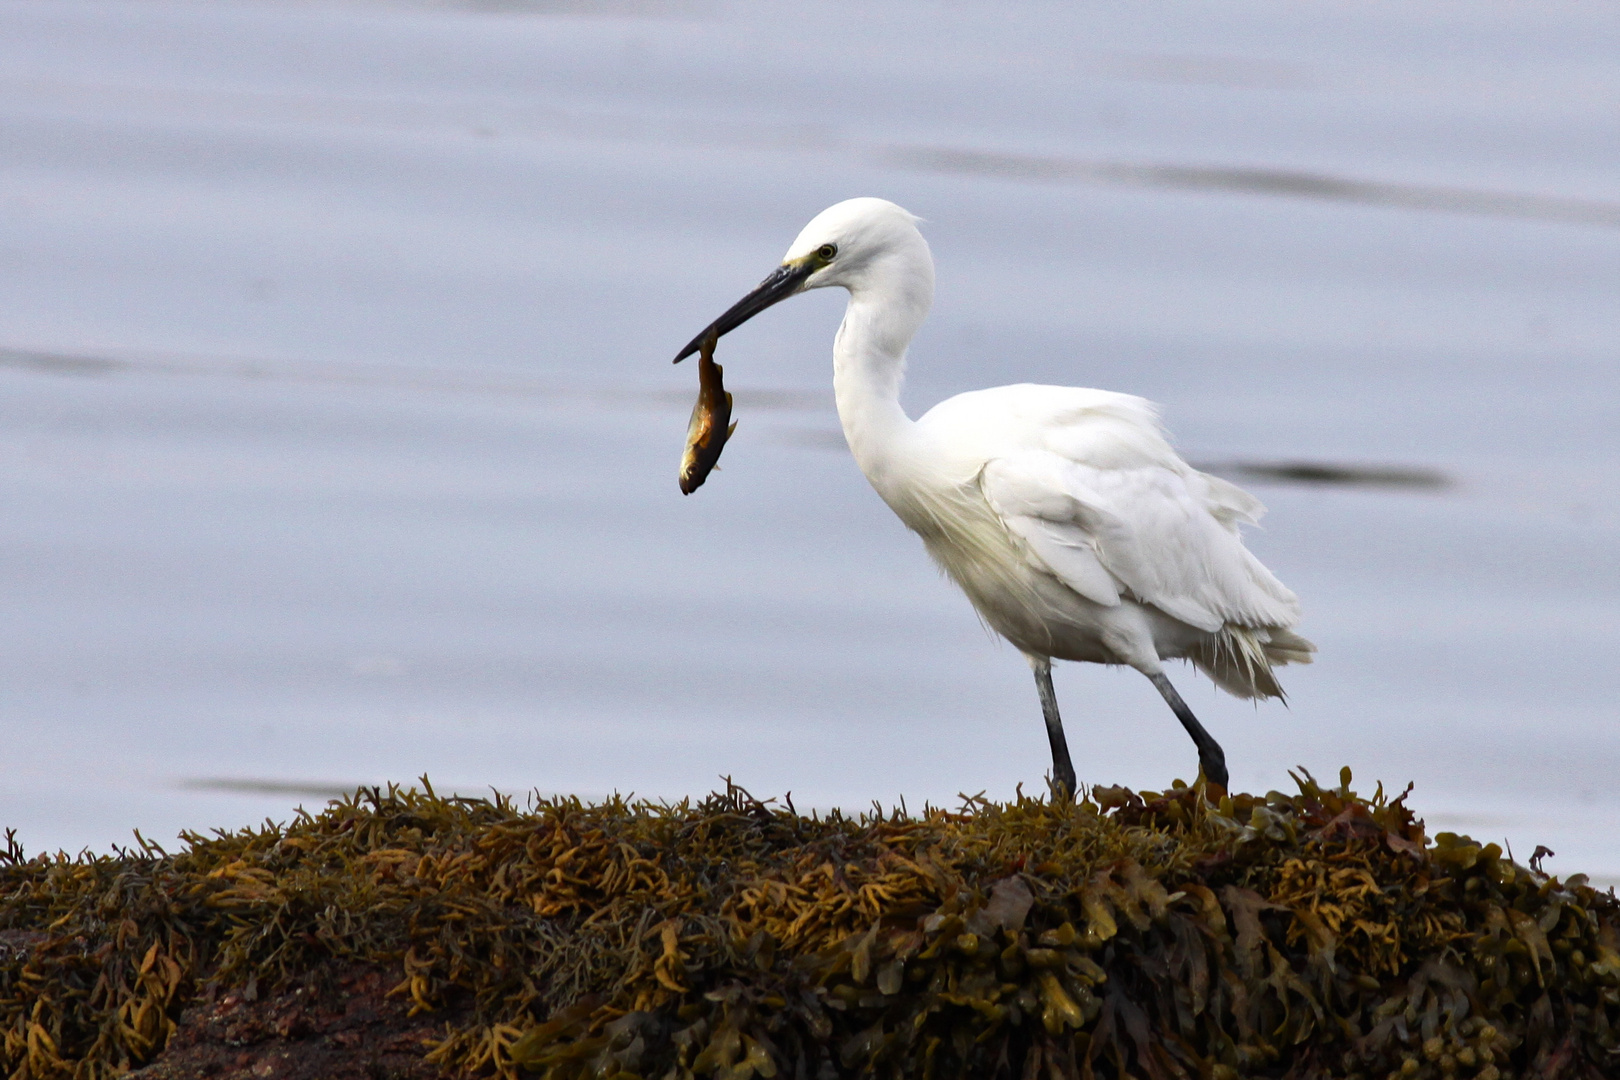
column 337, row 1023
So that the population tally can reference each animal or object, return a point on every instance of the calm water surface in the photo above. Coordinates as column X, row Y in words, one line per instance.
column 338, row 434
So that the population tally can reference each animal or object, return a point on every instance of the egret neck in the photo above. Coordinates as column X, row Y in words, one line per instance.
column 888, row 302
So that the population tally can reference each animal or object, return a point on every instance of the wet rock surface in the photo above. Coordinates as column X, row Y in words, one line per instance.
column 339, row 1023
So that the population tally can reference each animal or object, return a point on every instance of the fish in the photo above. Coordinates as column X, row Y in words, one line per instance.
column 711, row 424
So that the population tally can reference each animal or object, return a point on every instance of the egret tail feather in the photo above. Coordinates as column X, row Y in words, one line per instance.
column 1240, row 659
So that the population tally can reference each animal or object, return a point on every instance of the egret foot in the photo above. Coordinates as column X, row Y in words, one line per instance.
column 1210, row 755
column 1062, row 768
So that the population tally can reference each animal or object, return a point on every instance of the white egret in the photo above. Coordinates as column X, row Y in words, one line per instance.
column 1063, row 513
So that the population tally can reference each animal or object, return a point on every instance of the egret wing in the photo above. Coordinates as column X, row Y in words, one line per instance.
column 1165, row 535
column 1028, row 494
column 1159, row 532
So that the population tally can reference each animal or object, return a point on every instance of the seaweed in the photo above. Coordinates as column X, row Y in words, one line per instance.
column 1149, row 935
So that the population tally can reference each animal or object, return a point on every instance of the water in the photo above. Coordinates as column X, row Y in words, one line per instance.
column 338, row 435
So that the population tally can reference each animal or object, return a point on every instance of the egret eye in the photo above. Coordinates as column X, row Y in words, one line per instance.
column 826, row 252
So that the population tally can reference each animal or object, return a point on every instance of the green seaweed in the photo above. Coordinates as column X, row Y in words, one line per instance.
column 1152, row 935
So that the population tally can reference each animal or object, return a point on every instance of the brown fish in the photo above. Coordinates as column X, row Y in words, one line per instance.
column 711, row 423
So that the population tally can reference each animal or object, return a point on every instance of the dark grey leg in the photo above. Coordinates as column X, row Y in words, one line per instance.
column 1062, row 767
column 1210, row 755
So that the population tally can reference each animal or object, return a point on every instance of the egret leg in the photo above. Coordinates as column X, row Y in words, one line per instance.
column 1210, row 755
column 1062, row 767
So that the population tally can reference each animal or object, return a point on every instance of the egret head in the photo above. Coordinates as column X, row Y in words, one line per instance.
column 841, row 246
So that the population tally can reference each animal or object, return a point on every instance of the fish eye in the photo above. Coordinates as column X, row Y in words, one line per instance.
column 826, row 252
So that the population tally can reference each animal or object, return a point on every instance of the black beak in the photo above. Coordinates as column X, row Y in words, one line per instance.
column 784, row 281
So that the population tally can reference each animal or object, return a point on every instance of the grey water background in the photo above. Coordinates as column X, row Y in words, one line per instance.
column 338, row 433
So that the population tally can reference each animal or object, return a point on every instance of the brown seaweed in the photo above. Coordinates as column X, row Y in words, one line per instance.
column 1318, row 935
column 711, row 424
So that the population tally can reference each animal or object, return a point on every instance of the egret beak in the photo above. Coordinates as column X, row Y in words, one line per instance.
column 784, row 281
